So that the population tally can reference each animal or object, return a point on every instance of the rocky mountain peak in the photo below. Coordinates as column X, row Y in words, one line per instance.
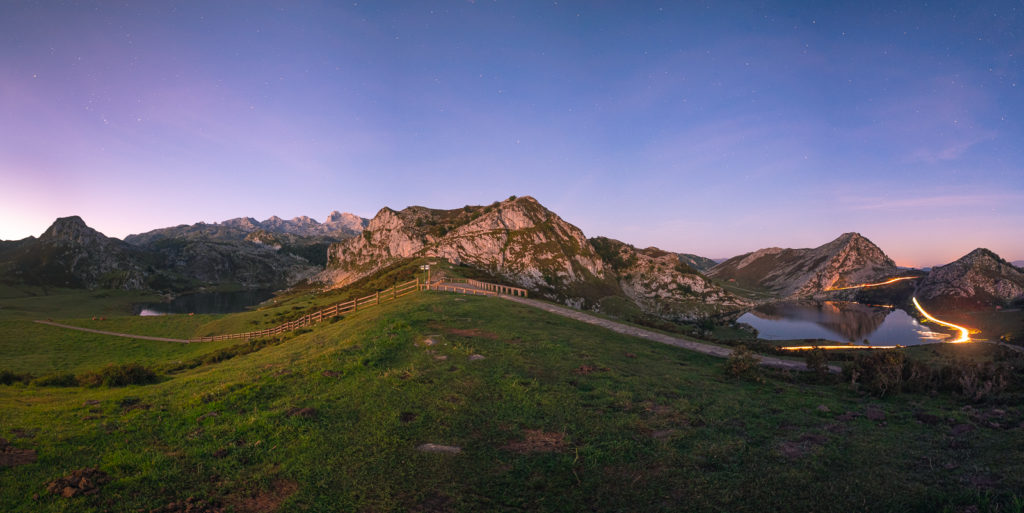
column 71, row 229
column 346, row 221
column 849, row 259
column 979, row 278
column 516, row 238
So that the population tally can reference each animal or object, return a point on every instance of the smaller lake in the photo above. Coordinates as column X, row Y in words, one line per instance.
column 206, row 303
column 840, row 322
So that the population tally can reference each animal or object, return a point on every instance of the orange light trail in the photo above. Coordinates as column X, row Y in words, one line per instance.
column 866, row 285
column 965, row 334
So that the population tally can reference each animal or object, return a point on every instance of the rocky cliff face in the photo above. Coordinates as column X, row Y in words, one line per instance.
column 660, row 284
column 850, row 259
column 70, row 254
column 517, row 239
column 979, row 278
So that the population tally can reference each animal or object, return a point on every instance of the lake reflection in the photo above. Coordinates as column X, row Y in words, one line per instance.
column 206, row 302
column 840, row 322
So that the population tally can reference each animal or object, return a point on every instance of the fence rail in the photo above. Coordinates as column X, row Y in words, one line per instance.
column 458, row 285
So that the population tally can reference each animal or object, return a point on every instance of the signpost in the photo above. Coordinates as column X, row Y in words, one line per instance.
column 426, row 267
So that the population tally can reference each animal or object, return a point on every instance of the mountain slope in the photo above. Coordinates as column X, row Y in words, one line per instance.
column 979, row 278
column 558, row 416
column 697, row 262
column 849, row 259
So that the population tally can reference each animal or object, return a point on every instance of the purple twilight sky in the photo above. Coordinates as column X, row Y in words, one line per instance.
column 708, row 127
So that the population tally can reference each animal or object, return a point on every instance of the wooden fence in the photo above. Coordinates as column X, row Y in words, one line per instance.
column 460, row 286
column 479, row 287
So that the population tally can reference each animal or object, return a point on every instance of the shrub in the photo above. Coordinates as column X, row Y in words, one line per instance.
column 978, row 382
column 119, row 375
column 742, row 363
column 10, row 378
column 817, row 362
column 56, row 380
column 880, row 372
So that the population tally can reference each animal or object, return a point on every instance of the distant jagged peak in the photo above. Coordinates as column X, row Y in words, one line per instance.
column 346, row 220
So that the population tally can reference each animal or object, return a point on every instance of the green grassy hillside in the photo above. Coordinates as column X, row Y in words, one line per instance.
column 557, row 416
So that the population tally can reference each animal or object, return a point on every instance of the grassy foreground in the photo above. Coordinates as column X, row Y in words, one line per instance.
column 556, row 416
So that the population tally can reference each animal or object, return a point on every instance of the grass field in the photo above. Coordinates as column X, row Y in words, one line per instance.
column 556, row 416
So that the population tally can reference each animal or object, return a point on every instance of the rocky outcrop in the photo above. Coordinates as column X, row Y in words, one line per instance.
column 848, row 260
column 343, row 221
column 979, row 278
column 661, row 285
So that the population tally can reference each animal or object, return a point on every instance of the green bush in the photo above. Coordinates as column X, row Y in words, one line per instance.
column 56, row 380
column 976, row 381
column 743, row 363
column 119, row 375
column 879, row 372
column 817, row 361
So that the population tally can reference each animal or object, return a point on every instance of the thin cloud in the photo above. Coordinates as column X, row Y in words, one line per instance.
column 950, row 151
column 935, row 201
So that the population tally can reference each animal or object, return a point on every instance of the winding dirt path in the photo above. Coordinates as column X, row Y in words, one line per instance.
column 625, row 329
column 113, row 333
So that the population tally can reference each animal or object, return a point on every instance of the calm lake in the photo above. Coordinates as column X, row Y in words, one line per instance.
column 206, row 302
column 839, row 322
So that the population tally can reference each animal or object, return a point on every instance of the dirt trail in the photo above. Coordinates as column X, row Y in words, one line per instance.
column 115, row 334
column 700, row 347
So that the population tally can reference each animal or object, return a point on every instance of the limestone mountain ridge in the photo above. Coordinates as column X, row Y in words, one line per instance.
column 849, row 259
column 337, row 226
column 524, row 243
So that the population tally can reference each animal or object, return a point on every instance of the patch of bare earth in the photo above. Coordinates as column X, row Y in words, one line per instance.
column 478, row 333
column 588, row 369
column 265, row 501
column 11, row 456
column 84, row 481
column 536, row 440
column 189, row 505
column 305, row 413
